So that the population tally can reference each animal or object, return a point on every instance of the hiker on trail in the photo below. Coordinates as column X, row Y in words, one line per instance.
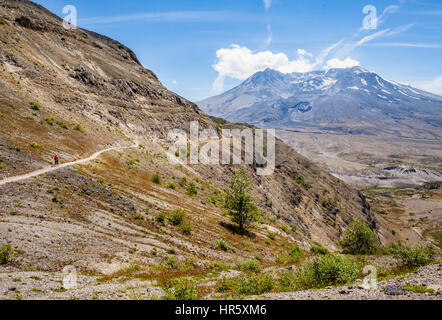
column 56, row 160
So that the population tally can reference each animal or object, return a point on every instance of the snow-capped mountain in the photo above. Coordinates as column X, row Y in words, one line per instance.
column 327, row 98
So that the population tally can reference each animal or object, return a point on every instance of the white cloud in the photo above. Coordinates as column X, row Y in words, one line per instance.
column 338, row 63
column 302, row 52
column 174, row 82
column 267, row 4
column 434, row 85
column 239, row 62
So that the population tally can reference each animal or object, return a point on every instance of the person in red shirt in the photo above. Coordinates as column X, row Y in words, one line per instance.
column 56, row 160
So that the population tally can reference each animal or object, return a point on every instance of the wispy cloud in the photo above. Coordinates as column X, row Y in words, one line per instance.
column 404, row 44
column 267, row 4
column 172, row 16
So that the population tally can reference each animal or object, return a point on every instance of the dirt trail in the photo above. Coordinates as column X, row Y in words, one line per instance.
column 61, row 166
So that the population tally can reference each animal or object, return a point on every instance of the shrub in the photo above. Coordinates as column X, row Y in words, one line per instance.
column 181, row 290
column 185, row 228
column 359, row 239
column 171, row 185
column 50, row 120
column 326, row 271
column 254, row 284
column 287, row 282
column 319, row 249
column 272, row 236
column 156, row 178
column 191, row 189
column 3, row 21
column 6, row 252
column 154, row 251
column 35, row 106
column 177, row 217
column 413, row 257
column 79, row 128
column 35, row 145
column 62, row 124
column 161, row 218
column 222, row 244
column 251, row 265
column 295, row 254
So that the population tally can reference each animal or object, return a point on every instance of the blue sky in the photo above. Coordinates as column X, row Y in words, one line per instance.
column 201, row 47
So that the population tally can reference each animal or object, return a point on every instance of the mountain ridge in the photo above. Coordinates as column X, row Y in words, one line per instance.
column 322, row 98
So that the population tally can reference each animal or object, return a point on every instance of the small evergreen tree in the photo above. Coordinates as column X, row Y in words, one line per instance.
column 359, row 239
column 241, row 206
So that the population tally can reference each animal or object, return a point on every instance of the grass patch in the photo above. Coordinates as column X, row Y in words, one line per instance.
column 300, row 180
column 437, row 236
column 35, row 106
column 222, row 244
column 251, row 265
column 191, row 189
column 254, row 284
column 318, row 249
column 50, row 120
column 62, row 124
column 6, row 252
column 177, row 217
column 180, row 290
column 156, row 178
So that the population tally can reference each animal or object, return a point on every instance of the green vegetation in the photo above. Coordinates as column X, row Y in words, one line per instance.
column 161, row 218
column 180, row 290
column 79, row 128
column 359, row 239
column 251, row 265
column 418, row 289
column 325, row 271
column 183, row 182
column 318, row 249
column 34, row 145
column 35, row 106
column 294, row 255
column 412, row 257
column 171, row 185
column 177, row 217
column 271, row 235
column 62, row 124
column 50, row 120
column 185, row 228
column 437, row 236
column 251, row 284
column 3, row 21
column 156, row 178
column 222, row 244
column 191, row 189
column 240, row 205
column 6, row 252
column 300, row 180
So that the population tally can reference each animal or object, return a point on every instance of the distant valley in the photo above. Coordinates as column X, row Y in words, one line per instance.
column 364, row 129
